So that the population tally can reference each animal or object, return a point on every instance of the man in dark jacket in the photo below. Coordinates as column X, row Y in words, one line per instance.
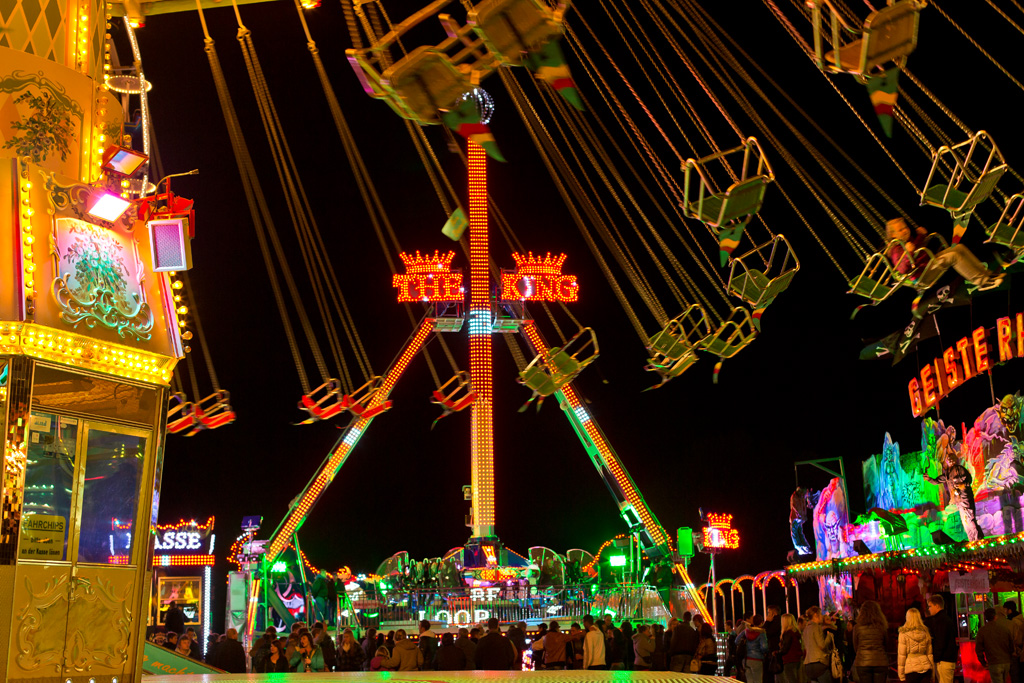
column 449, row 657
column 773, row 631
column 495, row 652
column 685, row 640
column 231, row 654
column 517, row 634
column 994, row 645
column 943, row 631
column 468, row 647
column 174, row 618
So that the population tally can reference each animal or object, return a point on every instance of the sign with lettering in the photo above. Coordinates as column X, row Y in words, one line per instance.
column 719, row 534
column 967, row 358
column 537, row 278
column 42, row 537
column 429, row 278
column 969, row 582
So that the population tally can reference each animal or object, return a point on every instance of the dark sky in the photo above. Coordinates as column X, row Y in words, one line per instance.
column 797, row 393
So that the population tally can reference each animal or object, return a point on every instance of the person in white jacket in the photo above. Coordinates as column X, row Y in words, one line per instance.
column 915, row 662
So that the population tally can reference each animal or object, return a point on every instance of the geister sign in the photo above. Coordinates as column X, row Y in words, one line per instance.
column 969, row 357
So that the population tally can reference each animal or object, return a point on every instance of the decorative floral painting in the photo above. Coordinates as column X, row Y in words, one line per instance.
column 99, row 279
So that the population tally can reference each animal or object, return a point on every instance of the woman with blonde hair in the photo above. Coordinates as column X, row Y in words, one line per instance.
column 869, row 636
column 915, row 662
column 790, row 649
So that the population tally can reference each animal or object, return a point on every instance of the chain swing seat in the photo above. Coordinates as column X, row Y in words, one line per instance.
column 454, row 395
column 680, row 336
column 549, row 372
column 510, row 29
column 732, row 336
column 971, row 181
column 758, row 280
column 358, row 402
column 910, row 279
column 213, row 411
column 888, row 36
column 422, row 83
column 876, row 281
column 1008, row 231
column 181, row 414
column 322, row 403
column 741, row 199
column 673, row 348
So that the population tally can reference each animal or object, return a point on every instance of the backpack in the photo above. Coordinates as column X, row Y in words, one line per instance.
column 741, row 648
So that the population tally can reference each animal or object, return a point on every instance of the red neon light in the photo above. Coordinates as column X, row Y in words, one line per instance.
column 428, row 278
column 480, row 346
column 337, row 458
column 719, row 534
column 537, row 278
column 185, row 523
column 169, row 560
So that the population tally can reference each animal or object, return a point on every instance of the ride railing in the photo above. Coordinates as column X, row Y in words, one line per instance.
column 469, row 607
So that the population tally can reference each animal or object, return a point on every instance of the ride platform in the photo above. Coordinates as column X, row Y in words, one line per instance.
column 451, row 677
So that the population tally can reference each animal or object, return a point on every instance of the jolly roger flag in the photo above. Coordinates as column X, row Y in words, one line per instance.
column 898, row 344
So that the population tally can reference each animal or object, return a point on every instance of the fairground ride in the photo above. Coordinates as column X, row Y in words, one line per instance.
column 721, row 297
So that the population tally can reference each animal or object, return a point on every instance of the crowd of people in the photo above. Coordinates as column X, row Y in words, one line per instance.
column 822, row 648
column 813, row 648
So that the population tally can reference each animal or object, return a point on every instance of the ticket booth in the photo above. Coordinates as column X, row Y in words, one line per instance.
column 89, row 338
column 182, row 573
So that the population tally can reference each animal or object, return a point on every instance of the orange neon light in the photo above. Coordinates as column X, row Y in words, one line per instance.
column 337, row 458
column 719, row 534
column 428, row 278
column 480, row 347
column 623, row 479
column 537, row 278
column 190, row 523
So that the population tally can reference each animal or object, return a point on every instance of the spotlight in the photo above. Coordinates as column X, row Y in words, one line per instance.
column 122, row 161
column 108, row 207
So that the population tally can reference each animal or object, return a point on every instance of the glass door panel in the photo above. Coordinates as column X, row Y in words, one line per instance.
column 49, row 483
column 114, row 459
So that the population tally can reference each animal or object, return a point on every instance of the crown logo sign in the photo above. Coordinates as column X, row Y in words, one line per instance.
column 537, row 265
column 429, row 263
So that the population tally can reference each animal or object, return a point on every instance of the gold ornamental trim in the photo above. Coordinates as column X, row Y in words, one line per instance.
column 80, row 351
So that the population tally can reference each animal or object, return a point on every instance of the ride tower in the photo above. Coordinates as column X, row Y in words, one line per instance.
column 89, row 337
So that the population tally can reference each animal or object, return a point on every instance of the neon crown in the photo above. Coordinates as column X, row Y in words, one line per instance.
column 430, row 263
column 537, row 265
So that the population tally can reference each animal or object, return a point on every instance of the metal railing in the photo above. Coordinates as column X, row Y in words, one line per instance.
column 464, row 606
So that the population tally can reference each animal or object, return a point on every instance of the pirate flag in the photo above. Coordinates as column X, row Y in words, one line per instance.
column 548, row 63
column 464, row 119
column 883, row 91
column 898, row 344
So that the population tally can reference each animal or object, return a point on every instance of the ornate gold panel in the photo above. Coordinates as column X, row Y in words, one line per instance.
column 40, row 620
column 99, row 620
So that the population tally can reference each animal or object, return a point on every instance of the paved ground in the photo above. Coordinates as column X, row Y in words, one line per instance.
column 452, row 677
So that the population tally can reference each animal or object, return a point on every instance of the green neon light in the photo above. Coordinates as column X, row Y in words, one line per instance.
column 279, row 567
column 372, row 616
column 617, row 560
column 609, row 610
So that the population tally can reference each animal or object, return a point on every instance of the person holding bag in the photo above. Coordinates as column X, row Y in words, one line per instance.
column 818, row 647
column 707, row 652
column 915, row 662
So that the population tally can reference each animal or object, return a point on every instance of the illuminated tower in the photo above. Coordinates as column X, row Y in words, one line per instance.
column 480, row 348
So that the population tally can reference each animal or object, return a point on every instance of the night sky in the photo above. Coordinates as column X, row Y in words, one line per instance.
column 797, row 393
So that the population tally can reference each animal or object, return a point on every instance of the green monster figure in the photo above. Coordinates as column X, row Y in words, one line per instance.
column 1009, row 415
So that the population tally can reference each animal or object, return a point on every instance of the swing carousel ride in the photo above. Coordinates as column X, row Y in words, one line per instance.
column 665, row 138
